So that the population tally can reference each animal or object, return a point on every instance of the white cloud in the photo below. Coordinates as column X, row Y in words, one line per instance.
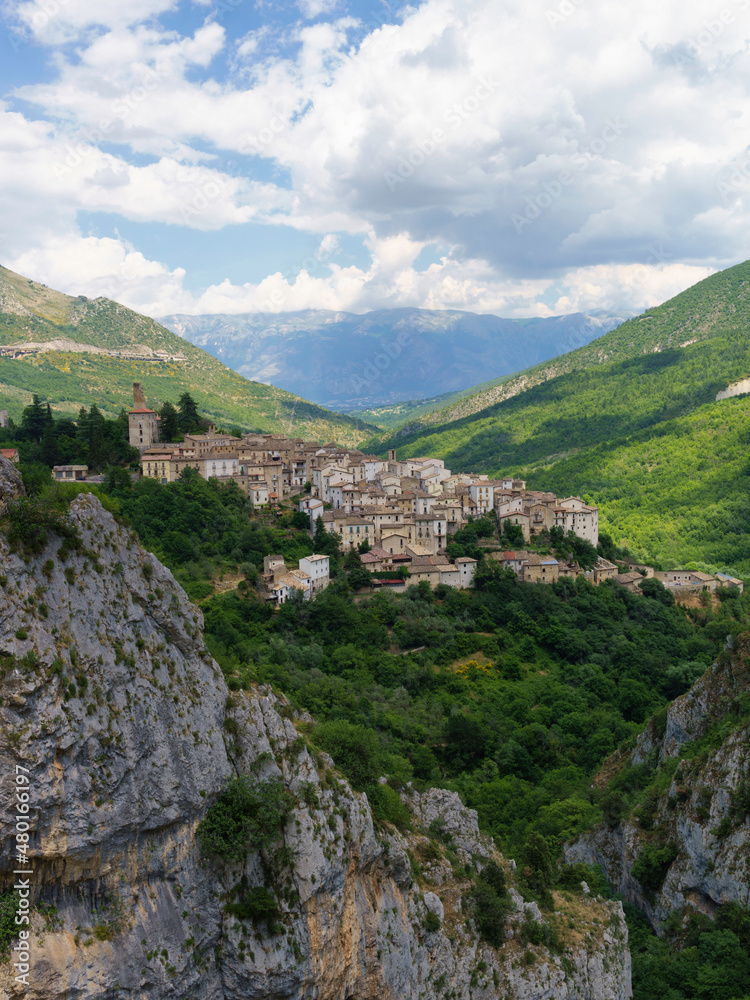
column 55, row 22
column 548, row 153
column 314, row 8
column 117, row 270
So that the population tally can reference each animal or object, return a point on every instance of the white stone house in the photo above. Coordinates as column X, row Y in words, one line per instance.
column 317, row 568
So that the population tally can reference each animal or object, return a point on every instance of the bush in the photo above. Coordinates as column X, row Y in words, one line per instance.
column 248, row 816
column 31, row 521
column 387, row 806
column 535, row 867
column 652, row 864
column 255, row 903
column 432, row 922
column 8, row 928
column 492, row 904
column 355, row 750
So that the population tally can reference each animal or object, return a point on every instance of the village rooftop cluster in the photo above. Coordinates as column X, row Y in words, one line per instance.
column 404, row 510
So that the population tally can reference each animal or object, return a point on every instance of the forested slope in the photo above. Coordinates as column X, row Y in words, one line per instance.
column 631, row 420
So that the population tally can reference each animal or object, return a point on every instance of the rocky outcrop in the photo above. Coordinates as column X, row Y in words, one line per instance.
column 112, row 702
column 11, row 484
column 698, row 801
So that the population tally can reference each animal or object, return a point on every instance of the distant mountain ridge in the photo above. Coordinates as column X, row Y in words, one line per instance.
column 75, row 351
column 346, row 361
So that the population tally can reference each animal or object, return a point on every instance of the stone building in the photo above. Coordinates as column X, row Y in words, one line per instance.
column 143, row 423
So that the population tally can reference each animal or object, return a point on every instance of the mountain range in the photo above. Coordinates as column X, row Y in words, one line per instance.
column 353, row 362
column 76, row 351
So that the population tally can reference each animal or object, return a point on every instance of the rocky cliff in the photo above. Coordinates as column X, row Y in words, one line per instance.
column 686, row 841
column 112, row 702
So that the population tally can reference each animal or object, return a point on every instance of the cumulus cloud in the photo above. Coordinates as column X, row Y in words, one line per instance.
column 54, row 22
column 549, row 146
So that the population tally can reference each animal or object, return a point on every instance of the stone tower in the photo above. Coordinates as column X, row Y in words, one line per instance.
column 143, row 424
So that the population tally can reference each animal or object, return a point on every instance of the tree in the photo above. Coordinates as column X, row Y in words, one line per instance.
column 352, row 560
column 50, row 451
column 355, row 750
column 325, row 542
column 535, row 866
column 359, row 578
column 513, row 533
column 170, row 422
column 91, row 426
column 116, row 478
column 189, row 418
column 34, row 420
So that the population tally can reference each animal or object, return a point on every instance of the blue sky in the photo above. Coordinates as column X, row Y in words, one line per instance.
column 521, row 158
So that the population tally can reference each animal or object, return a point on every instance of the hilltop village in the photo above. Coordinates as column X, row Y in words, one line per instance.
column 398, row 514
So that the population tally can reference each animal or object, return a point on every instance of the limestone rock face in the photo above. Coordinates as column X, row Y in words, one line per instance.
column 111, row 700
column 11, row 484
column 704, row 741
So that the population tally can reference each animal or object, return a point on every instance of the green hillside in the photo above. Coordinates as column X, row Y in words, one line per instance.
column 408, row 411
column 631, row 420
column 31, row 313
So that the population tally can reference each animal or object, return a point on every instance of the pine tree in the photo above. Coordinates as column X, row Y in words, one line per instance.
column 170, row 422
column 34, row 420
column 189, row 418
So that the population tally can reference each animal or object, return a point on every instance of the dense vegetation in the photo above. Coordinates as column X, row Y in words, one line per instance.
column 521, row 692
column 630, row 420
column 202, row 529
column 45, row 440
column 517, row 697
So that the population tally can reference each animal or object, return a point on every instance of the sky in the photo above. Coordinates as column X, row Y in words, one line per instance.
column 517, row 157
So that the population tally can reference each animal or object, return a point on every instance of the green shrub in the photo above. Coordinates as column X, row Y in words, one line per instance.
column 432, row 922
column 355, row 750
column 8, row 927
column 387, row 806
column 31, row 520
column 254, row 904
column 535, row 933
column 652, row 864
column 535, row 870
column 492, row 904
column 740, row 807
column 248, row 816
